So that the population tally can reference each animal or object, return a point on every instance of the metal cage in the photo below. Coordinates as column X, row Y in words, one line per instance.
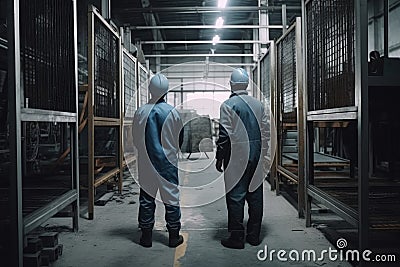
column 143, row 81
column 330, row 54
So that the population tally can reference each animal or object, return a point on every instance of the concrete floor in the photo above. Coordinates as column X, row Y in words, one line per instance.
column 112, row 238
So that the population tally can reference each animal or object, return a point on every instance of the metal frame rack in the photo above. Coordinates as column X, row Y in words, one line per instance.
column 102, row 104
column 322, row 107
column 267, row 90
column 337, row 93
column 130, row 104
column 42, row 64
column 143, row 91
column 289, row 112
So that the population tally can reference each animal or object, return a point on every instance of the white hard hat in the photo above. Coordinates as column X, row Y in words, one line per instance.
column 239, row 79
column 158, row 85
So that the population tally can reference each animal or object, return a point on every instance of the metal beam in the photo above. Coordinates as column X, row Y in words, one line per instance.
column 198, row 9
column 178, row 27
column 211, row 64
column 152, row 23
column 200, row 55
column 202, row 42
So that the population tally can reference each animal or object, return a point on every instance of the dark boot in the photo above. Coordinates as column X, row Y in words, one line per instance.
column 253, row 240
column 146, row 239
column 236, row 240
column 175, row 239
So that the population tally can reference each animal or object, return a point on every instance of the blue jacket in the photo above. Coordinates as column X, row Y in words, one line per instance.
column 243, row 136
column 157, row 135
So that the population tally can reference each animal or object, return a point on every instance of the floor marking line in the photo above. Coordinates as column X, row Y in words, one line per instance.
column 181, row 250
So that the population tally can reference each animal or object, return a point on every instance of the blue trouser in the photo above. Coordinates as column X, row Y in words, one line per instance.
column 147, row 207
column 235, row 200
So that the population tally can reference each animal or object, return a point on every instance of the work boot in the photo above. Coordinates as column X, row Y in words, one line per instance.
column 146, row 239
column 236, row 240
column 175, row 239
column 253, row 240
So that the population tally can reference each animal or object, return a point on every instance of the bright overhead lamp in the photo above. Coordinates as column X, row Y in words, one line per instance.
column 222, row 3
column 215, row 39
column 219, row 23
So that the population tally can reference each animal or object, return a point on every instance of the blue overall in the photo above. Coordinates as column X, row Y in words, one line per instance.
column 242, row 144
column 157, row 135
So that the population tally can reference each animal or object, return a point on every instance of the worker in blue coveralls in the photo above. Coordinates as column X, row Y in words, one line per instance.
column 157, row 135
column 241, row 148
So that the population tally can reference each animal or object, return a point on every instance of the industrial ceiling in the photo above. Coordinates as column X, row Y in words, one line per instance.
column 181, row 31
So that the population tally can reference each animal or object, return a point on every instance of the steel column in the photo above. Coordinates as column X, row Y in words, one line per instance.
column 386, row 28
column 300, row 118
column 74, row 130
column 361, row 82
column 90, row 140
column 273, row 107
column 14, row 102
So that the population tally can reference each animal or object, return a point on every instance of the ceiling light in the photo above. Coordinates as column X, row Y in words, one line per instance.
column 215, row 39
column 222, row 3
column 219, row 23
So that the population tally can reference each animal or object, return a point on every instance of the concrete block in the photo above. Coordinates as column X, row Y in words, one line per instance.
column 49, row 239
column 33, row 245
column 32, row 259
column 52, row 253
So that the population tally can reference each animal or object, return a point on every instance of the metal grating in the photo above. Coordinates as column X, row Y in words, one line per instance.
column 130, row 86
column 287, row 72
column 143, row 86
column 266, row 77
column 47, row 54
column 106, row 73
column 330, row 53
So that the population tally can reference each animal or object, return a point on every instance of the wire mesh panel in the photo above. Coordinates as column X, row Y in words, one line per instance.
column 266, row 77
column 106, row 72
column 47, row 54
column 330, row 53
column 143, row 85
column 287, row 74
column 130, row 86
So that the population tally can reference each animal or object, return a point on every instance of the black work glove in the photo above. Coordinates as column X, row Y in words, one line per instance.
column 218, row 165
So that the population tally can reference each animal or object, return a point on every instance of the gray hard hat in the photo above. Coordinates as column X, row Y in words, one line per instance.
column 158, row 85
column 239, row 79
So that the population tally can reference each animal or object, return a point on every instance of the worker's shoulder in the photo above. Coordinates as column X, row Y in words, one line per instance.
column 237, row 99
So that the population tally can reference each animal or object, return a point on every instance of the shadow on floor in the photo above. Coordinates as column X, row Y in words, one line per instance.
column 133, row 235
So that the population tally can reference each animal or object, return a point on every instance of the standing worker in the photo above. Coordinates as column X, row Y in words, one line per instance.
column 157, row 135
column 241, row 147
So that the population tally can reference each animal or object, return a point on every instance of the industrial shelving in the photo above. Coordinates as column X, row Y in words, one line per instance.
column 143, row 79
column 130, row 105
column 343, row 98
column 288, row 110
column 41, row 142
column 101, row 115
